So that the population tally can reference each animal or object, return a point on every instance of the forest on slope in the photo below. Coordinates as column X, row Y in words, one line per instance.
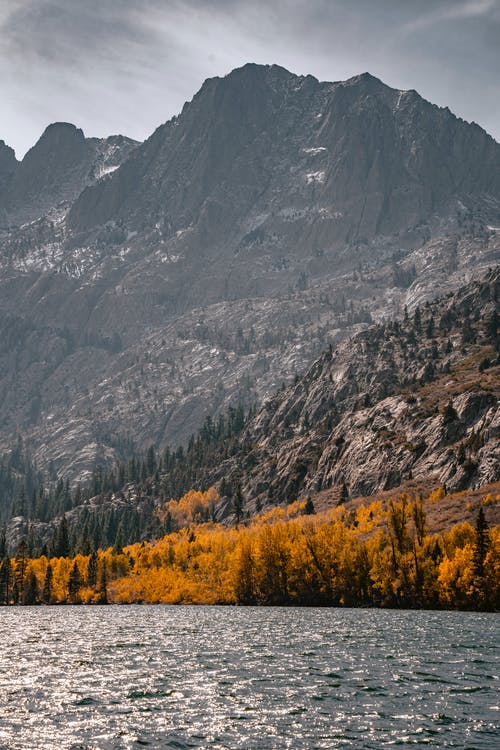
column 286, row 556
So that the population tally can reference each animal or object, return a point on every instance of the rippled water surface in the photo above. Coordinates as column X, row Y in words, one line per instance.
column 213, row 677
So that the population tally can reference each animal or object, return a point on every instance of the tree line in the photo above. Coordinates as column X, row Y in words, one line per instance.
column 375, row 555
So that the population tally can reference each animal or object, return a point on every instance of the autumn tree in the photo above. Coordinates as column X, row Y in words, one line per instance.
column 245, row 573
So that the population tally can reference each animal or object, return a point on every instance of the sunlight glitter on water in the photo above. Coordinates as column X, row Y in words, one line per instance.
column 114, row 678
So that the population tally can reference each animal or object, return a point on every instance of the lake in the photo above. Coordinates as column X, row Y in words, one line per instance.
column 223, row 677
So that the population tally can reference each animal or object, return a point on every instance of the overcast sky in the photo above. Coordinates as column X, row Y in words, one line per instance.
column 125, row 66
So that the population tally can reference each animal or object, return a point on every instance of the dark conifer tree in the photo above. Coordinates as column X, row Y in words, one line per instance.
column 481, row 543
column 344, row 493
column 74, row 583
column 491, row 329
column 61, row 542
column 417, row 320
column 21, row 565
column 118, row 545
column 238, row 504
column 5, row 580
column 92, row 571
column 31, row 590
column 482, row 593
column 103, row 583
column 47, row 585
column 3, row 543
column 309, row 509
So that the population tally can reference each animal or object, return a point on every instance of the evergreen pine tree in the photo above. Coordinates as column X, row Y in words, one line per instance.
column 47, row 585
column 31, row 590
column 103, row 583
column 309, row 509
column 74, row 583
column 481, row 543
column 430, row 328
column 344, row 493
column 21, row 565
column 238, row 504
column 92, row 571
column 5, row 580
column 491, row 328
column 417, row 320
column 3, row 543
column 118, row 545
column 61, row 542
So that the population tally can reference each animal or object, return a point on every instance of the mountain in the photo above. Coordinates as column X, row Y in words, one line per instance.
column 274, row 216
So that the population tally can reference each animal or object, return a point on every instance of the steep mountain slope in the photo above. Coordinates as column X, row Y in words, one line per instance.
column 274, row 215
column 416, row 399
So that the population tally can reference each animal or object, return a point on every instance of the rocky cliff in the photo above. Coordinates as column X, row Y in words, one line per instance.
column 415, row 399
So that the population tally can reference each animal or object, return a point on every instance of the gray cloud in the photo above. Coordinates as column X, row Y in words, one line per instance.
column 128, row 65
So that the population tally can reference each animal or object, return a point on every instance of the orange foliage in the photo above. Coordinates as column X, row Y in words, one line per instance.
column 366, row 557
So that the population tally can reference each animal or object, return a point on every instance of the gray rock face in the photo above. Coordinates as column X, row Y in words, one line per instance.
column 276, row 214
column 376, row 160
column 57, row 169
column 8, row 166
column 386, row 406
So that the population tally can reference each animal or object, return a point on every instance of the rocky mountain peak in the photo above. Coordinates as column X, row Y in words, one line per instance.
column 8, row 163
column 8, row 166
column 56, row 169
column 8, row 159
column 368, row 82
column 56, row 135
